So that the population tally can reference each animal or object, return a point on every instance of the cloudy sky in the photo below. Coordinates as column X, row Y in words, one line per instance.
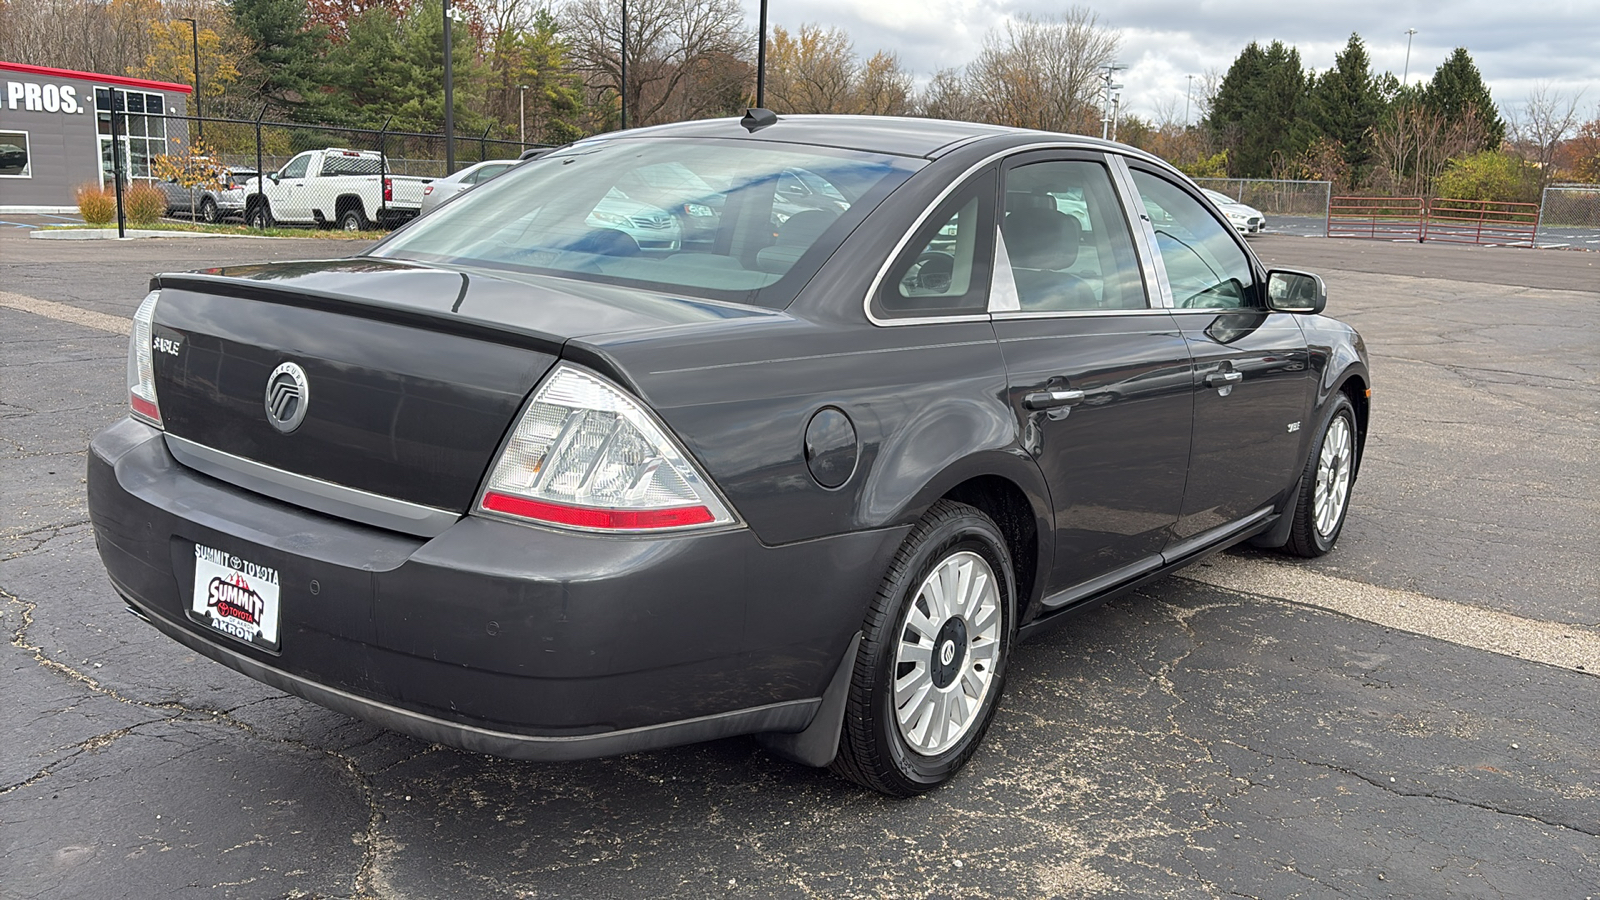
column 1517, row 45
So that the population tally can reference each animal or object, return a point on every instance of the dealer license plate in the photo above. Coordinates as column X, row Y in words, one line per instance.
column 236, row 597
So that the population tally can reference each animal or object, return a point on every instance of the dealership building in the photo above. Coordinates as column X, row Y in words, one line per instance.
column 55, row 132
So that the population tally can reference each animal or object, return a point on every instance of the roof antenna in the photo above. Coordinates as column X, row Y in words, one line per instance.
column 756, row 119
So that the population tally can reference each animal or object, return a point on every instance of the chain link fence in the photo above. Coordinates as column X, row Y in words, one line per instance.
column 1569, row 214
column 267, row 173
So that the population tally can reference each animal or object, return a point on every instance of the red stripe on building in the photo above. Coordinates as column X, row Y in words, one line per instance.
column 122, row 80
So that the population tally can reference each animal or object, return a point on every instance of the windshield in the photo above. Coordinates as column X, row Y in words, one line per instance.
column 716, row 219
column 1217, row 197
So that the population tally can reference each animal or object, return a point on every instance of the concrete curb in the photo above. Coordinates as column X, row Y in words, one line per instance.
column 110, row 234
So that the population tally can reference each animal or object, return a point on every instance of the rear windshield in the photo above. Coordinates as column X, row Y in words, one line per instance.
column 726, row 220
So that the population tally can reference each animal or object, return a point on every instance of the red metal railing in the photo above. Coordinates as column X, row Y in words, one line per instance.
column 1442, row 219
column 1382, row 218
column 1482, row 222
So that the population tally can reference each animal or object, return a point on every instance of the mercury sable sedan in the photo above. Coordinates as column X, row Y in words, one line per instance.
column 515, row 482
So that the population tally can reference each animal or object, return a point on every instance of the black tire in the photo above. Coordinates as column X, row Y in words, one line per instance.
column 259, row 216
column 1316, row 528
column 208, row 211
column 873, row 750
column 353, row 219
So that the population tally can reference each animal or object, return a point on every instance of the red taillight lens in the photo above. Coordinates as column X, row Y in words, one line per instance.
column 388, row 190
column 427, row 189
column 596, row 517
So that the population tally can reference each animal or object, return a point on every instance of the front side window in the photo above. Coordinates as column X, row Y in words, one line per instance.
column 1068, row 240
column 297, row 167
column 14, row 155
column 708, row 218
column 1205, row 266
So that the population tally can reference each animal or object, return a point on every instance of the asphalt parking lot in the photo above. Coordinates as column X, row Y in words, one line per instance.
column 1413, row 715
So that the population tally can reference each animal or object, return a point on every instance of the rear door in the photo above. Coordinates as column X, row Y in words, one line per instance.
column 1252, row 382
column 1100, row 378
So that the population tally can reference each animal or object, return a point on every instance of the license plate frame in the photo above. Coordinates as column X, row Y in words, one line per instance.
column 236, row 597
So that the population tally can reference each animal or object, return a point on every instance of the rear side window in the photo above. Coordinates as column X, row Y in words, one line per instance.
column 944, row 268
column 1205, row 266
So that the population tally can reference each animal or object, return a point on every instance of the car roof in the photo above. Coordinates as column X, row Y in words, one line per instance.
column 898, row 136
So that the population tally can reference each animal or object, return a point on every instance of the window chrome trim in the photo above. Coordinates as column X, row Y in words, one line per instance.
column 313, row 493
column 1082, row 313
column 1144, row 234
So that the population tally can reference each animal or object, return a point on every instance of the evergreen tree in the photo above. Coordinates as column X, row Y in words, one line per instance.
column 285, row 64
column 1457, row 90
column 420, row 99
column 1344, row 104
column 368, row 72
column 1254, row 113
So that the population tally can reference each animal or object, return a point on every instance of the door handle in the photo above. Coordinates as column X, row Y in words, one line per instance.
column 1219, row 379
column 1052, row 399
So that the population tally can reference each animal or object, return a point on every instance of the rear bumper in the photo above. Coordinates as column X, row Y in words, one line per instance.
column 496, row 637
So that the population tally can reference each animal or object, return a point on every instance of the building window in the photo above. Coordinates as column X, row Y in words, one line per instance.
column 144, row 128
column 14, row 155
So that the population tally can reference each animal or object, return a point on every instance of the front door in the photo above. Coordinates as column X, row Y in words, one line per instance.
column 291, row 198
column 1252, row 378
column 1099, row 376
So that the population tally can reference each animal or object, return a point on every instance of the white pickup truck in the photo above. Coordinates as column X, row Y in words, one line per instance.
column 349, row 189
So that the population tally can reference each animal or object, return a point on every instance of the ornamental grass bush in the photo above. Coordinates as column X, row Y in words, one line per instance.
column 96, row 204
column 144, row 203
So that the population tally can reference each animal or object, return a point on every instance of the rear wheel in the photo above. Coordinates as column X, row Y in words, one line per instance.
column 353, row 220
column 1325, row 483
column 208, row 210
column 933, row 654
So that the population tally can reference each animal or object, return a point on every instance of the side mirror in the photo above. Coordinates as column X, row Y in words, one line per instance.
column 276, row 177
column 1296, row 292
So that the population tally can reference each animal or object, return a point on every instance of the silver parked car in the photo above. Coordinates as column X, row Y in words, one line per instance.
column 212, row 201
column 441, row 189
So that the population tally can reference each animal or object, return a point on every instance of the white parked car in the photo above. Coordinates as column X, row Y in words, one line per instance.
column 1246, row 219
column 442, row 189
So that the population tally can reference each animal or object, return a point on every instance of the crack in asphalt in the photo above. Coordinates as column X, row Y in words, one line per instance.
column 365, row 877
column 51, row 532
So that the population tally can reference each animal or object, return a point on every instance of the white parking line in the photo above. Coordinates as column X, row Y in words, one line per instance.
column 1575, row 647
column 62, row 312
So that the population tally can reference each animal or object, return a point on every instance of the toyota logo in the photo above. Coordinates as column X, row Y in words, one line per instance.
column 288, row 394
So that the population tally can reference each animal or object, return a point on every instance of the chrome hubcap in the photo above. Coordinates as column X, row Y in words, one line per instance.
column 1333, row 476
column 949, row 646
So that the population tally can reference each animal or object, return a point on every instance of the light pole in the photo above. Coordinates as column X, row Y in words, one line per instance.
column 522, row 116
column 624, row 64
column 1407, row 71
column 449, row 96
column 1186, row 97
column 194, row 44
column 761, row 61
column 1109, row 73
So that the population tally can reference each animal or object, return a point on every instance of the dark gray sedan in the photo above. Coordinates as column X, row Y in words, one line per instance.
column 515, row 482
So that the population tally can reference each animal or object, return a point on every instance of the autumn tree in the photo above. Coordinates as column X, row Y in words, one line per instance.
column 1042, row 72
column 816, row 70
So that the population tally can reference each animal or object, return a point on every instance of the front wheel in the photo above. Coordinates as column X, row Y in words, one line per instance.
column 259, row 216
column 933, row 654
column 1325, row 483
column 208, row 210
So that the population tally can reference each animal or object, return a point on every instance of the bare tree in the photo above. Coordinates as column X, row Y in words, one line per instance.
column 1041, row 73
column 882, row 87
column 947, row 97
column 1545, row 121
column 680, row 54
column 1414, row 144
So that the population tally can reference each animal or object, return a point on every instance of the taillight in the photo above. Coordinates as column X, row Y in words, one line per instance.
column 587, row 455
column 388, row 190
column 141, row 363
column 427, row 189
